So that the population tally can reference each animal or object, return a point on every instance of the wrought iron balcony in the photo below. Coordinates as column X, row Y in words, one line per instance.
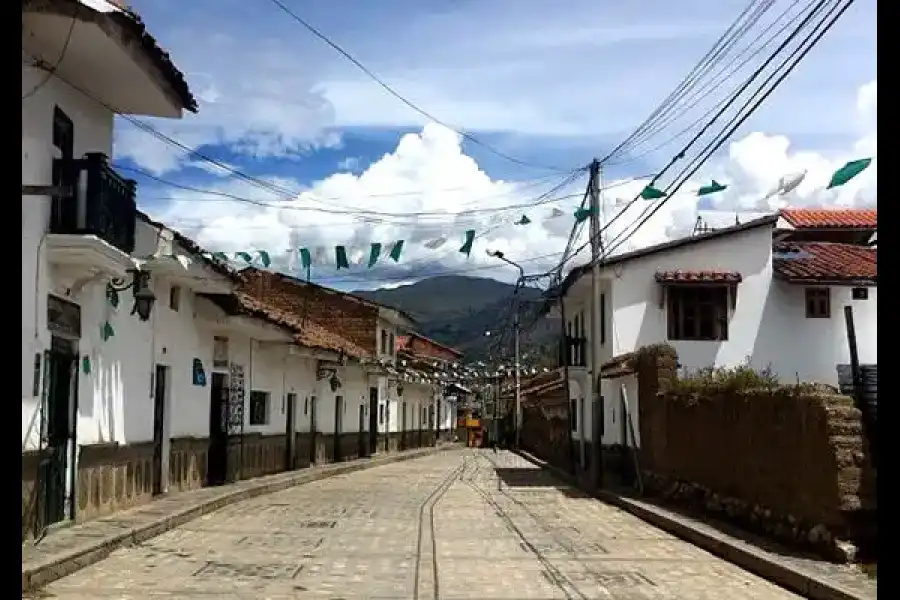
column 572, row 352
column 100, row 203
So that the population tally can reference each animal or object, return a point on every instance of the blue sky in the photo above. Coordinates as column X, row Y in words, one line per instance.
column 550, row 83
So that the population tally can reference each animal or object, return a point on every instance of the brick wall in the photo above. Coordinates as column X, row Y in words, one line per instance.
column 794, row 451
column 354, row 320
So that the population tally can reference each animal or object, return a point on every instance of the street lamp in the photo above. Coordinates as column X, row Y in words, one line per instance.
column 498, row 254
column 143, row 295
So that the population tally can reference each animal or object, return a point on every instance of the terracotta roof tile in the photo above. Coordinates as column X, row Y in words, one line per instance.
column 703, row 276
column 309, row 334
column 824, row 261
column 831, row 218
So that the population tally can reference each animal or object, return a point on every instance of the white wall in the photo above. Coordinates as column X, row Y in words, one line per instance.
column 93, row 133
column 639, row 320
column 615, row 424
column 767, row 325
column 809, row 349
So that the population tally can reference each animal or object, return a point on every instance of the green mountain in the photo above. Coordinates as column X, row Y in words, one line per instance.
column 458, row 311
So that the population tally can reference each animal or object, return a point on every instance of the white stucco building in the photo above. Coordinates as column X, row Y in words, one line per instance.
column 79, row 234
column 770, row 291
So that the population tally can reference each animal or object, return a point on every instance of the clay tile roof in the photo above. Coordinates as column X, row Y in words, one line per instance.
column 831, row 218
column 132, row 22
column 704, row 276
column 308, row 334
column 824, row 262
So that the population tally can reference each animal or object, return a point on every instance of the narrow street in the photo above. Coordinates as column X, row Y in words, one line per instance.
column 461, row 524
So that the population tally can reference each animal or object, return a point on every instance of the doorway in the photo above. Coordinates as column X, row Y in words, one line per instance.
column 217, row 459
column 373, row 420
column 403, row 443
column 160, row 391
column 338, row 426
column 312, row 430
column 361, row 432
column 289, row 432
column 57, row 466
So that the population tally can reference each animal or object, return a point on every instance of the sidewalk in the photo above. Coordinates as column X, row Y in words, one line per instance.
column 68, row 549
column 809, row 577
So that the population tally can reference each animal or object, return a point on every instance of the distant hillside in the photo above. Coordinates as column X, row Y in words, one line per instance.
column 458, row 310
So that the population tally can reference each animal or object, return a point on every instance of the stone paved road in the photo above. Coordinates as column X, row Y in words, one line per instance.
column 492, row 526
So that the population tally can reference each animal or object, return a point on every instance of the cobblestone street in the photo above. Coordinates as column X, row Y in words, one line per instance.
column 460, row 524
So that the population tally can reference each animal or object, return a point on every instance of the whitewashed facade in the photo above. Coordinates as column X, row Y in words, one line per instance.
column 767, row 324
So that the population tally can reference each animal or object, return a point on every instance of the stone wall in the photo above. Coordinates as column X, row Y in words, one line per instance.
column 546, row 437
column 112, row 477
column 789, row 460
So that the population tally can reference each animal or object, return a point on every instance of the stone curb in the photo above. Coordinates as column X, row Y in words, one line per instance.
column 751, row 560
column 46, row 571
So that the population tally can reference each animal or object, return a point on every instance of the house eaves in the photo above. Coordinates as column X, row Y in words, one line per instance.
column 576, row 273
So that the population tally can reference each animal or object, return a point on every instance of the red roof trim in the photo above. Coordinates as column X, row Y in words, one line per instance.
column 704, row 276
column 831, row 218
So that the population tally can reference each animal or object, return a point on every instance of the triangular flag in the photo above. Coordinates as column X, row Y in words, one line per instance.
column 305, row 258
column 651, row 193
column 712, row 188
column 396, row 250
column 265, row 258
column 555, row 213
column 340, row 257
column 321, row 256
column 182, row 260
column 787, row 184
column 107, row 331
column 435, row 243
column 374, row 253
column 292, row 259
column 523, row 221
column 582, row 214
column 244, row 255
column 220, row 256
column 466, row 248
column 848, row 172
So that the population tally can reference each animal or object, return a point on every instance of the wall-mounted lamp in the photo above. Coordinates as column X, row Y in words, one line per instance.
column 143, row 295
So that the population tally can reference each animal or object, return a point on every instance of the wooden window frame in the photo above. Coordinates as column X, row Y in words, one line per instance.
column 817, row 302
column 697, row 313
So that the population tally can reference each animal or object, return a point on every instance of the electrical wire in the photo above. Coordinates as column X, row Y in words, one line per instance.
column 796, row 56
column 711, row 87
column 51, row 69
column 711, row 55
column 369, row 73
column 797, row 30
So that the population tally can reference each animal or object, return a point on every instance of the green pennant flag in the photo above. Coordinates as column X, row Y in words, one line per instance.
column 582, row 214
column 848, row 172
column 374, row 253
column 396, row 250
column 305, row 258
column 712, row 188
column 220, row 256
column 466, row 248
column 524, row 220
column 86, row 364
column 265, row 258
column 340, row 257
column 245, row 256
column 651, row 193
column 107, row 331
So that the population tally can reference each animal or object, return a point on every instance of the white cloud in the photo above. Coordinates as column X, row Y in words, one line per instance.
column 428, row 173
column 267, row 87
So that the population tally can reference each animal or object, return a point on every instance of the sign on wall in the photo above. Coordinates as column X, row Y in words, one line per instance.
column 236, row 398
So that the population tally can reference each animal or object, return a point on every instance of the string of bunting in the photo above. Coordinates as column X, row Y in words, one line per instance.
column 343, row 256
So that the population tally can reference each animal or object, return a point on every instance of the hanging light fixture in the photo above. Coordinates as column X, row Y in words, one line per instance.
column 144, row 298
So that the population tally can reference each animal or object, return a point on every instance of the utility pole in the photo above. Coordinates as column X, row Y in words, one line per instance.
column 596, row 255
column 518, row 367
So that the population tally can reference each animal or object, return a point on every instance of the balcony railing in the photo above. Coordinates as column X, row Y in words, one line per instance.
column 572, row 352
column 101, row 203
